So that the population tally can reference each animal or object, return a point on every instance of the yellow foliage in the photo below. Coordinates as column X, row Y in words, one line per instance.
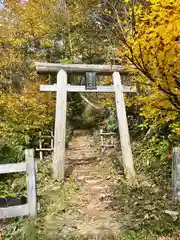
column 22, row 115
column 154, row 48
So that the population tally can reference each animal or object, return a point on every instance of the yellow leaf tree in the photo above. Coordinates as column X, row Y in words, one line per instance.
column 149, row 35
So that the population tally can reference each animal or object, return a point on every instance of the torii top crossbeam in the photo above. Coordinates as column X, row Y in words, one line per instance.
column 81, row 68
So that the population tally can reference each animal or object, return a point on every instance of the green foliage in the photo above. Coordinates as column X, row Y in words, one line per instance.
column 112, row 124
column 154, row 153
column 144, row 125
column 175, row 128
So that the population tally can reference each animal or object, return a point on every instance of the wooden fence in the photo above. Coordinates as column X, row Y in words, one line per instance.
column 107, row 143
column 29, row 209
column 42, row 149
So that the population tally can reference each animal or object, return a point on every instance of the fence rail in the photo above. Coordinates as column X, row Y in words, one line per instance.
column 12, row 168
column 29, row 209
column 15, row 211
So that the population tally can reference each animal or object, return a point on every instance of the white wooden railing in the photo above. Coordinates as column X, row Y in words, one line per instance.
column 29, row 209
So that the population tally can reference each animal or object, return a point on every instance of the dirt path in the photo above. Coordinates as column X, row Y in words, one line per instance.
column 90, row 214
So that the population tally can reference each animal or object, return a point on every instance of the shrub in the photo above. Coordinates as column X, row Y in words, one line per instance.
column 22, row 115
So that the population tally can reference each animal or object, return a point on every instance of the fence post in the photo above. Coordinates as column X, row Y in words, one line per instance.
column 31, row 182
column 102, row 141
column 40, row 146
column 176, row 174
column 60, row 126
column 123, row 126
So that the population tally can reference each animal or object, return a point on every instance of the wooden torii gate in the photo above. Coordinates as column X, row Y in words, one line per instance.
column 61, row 89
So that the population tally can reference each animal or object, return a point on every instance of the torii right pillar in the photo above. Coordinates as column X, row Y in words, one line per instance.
column 123, row 127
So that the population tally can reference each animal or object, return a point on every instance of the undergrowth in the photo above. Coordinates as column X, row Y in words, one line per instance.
column 53, row 197
column 140, row 206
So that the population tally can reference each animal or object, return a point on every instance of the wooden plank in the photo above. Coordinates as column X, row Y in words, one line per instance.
column 76, row 88
column 81, row 68
column 48, row 137
column 107, row 145
column 110, row 89
column 44, row 149
column 102, row 141
column 14, row 211
column 176, row 173
column 123, row 127
column 12, row 168
column 48, row 88
column 108, row 134
column 31, row 182
column 112, row 140
column 60, row 126
column 52, row 143
column 40, row 146
column 91, row 80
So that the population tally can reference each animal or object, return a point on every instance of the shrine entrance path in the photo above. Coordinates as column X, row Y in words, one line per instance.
column 90, row 215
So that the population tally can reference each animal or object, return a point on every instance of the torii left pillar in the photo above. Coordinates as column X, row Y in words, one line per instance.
column 60, row 126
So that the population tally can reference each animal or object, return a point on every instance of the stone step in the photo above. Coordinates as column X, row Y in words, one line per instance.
column 94, row 181
column 99, row 188
column 85, row 177
column 80, row 160
column 85, row 156
column 80, row 148
column 80, row 151
column 80, row 133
